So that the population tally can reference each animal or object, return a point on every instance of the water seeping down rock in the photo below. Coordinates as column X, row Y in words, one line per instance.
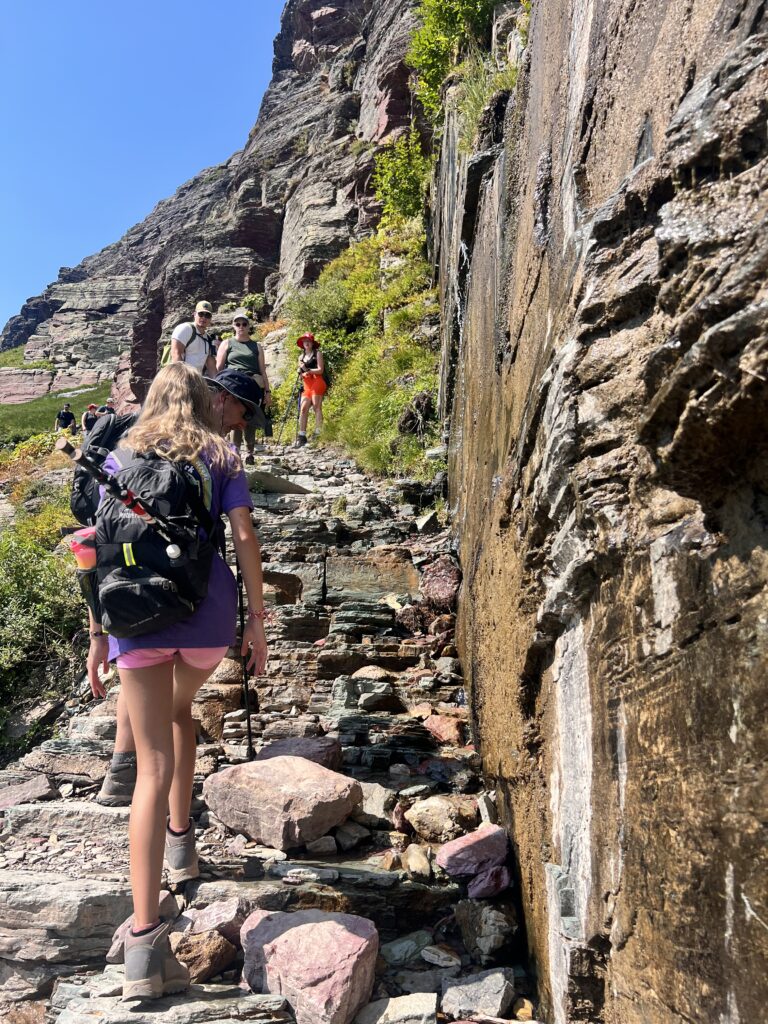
column 603, row 264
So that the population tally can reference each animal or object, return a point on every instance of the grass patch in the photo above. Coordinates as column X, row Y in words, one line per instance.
column 13, row 359
column 18, row 422
column 481, row 79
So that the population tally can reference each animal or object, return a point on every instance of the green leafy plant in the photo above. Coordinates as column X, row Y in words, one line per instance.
column 435, row 46
column 366, row 310
column 400, row 177
column 255, row 301
column 13, row 359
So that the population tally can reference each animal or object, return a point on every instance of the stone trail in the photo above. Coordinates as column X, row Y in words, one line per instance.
column 353, row 871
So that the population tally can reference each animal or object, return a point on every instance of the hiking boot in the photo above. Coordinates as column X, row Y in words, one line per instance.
column 301, row 440
column 119, row 782
column 181, row 855
column 249, row 459
column 151, row 969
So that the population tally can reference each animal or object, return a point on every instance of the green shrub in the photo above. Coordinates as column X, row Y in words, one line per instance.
column 42, row 610
column 255, row 301
column 400, row 177
column 365, row 310
column 481, row 79
column 445, row 26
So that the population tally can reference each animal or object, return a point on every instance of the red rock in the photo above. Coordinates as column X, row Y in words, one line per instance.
column 445, row 729
column 323, row 750
column 322, row 963
column 484, row 848
column 423, row 710
column 489, row 882
column 283, row 802
column 440, row 582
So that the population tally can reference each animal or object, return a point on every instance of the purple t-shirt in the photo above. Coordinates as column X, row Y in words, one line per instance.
column 213, row 622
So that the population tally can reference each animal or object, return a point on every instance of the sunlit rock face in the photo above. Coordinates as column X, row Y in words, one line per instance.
column 603, row 263
column 265, row 221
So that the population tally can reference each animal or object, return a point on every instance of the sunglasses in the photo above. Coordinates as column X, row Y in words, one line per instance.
column 241, row 323
column 205, row 316
column 248, row 413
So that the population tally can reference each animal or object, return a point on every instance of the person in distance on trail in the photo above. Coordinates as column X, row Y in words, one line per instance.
column 235, row 400
column 108, row 409
column 191, row 343
column 65, row 419
column 88, row 418
column 160, row 672
column 311, row 368
column 241, row 353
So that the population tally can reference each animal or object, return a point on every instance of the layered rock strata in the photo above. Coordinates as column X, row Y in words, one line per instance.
column 605, row 370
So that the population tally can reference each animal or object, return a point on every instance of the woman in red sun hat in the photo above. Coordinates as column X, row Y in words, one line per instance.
column 311, row 367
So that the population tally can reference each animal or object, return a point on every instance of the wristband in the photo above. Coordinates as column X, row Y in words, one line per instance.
column 261, row 614
column 98, row 634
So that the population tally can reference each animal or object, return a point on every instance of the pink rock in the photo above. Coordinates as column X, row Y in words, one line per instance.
column 445, row 729
column 489, row 882
column 440, row 583
column 484, row 848
column 323, row 750
column 225, row 916
column 322, row 963
column 283, row 802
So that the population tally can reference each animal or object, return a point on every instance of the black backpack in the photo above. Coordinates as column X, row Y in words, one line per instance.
column 105, row 435
column 143, row 588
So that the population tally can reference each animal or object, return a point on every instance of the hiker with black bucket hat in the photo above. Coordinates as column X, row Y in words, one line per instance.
column 235, row 399
column 243, row 354
column 161, row 669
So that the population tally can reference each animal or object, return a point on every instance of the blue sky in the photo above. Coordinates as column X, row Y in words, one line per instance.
column 106, row 108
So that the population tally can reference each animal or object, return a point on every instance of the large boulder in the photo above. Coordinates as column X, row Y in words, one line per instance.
column 469, row 855
column 420, row 1008
column 283, row 802
column 322, row 963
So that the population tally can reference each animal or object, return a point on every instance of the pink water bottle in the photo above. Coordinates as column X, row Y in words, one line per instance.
column 82, row 544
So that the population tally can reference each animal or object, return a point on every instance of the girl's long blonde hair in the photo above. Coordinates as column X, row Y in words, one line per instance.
column 177, row 420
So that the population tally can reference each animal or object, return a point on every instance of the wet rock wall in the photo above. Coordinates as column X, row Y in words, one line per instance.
column 602, row 262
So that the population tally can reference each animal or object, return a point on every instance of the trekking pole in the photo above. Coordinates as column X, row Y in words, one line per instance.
column 288, row 408
column 171, row 533
column 244, row 659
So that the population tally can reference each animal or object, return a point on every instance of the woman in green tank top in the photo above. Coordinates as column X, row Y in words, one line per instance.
column 241, row 353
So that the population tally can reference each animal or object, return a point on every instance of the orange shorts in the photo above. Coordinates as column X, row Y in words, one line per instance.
column 314, row 384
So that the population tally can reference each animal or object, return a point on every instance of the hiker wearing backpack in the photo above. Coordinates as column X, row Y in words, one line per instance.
column 247, row 356
column 311, row 368
column 176, row 460
column 235, row 399
column 191, row 343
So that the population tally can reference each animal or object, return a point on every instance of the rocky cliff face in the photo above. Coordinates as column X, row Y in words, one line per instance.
column 266, row 220
column 603, row 272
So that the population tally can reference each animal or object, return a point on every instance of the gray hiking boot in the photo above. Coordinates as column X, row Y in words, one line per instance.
column 119, row 782
column 181, row 856
column 151, row 969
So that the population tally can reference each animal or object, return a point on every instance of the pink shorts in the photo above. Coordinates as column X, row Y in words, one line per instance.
column 195, row 657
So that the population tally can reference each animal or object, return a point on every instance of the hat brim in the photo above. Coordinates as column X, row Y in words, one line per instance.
column 223, row 387
column 305, row 338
